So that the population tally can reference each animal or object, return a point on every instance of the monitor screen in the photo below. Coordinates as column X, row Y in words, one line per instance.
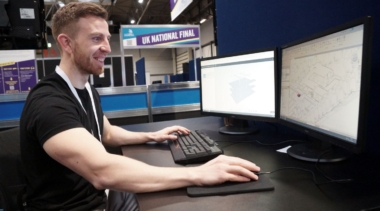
column 241, row 86
column 22, row 25
column 325, row 84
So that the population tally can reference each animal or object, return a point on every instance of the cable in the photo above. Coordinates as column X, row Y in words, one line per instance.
column 291, row 168
column 301, row 169
column 327, row 177
column 330, row 180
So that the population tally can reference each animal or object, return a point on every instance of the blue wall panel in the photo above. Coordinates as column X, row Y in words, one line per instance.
column 172, row 78
column 140, row 69
column 124, row 102
column 175, row 97
column 11, row 110
column 179, row 77
column 192, row 69
column 254, row 24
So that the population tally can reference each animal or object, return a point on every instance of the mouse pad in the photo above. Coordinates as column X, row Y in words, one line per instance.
column 263, row 184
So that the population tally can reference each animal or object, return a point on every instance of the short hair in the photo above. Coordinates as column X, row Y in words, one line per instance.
column 65, row 19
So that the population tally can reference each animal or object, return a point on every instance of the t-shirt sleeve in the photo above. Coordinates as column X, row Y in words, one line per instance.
column 54, row 114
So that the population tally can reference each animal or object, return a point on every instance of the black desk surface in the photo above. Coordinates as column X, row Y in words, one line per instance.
column 294, row 189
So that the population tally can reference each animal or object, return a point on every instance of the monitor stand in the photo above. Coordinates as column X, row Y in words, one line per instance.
column 234, row 130
column 237, row 127
column 313, row 152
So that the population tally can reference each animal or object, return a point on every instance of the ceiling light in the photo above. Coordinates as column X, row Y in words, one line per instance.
column 92, row 1
column 60, row 4
column 141, row 1
column 49, row 2
column 132, row 21
column 101, row 2
column 202, row 21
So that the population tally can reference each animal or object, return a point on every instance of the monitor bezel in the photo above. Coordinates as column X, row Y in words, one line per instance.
column 359, row 146
column 240, row 116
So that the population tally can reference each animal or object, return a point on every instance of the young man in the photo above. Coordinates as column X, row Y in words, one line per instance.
column 63, row 130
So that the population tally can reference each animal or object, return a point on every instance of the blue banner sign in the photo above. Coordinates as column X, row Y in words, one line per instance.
column 163, row 36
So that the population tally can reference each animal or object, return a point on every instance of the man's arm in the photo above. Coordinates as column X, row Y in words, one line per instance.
column 81, row 152
column 116, row 136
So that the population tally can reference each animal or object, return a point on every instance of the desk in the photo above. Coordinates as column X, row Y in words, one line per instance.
column 294, row 189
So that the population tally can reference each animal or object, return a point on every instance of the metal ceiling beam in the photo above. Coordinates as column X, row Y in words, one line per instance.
column 142, row 15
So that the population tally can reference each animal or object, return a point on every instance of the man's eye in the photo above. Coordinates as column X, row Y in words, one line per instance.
column 96, row 38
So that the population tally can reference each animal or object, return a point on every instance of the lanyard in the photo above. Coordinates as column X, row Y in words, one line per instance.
column 63, row 75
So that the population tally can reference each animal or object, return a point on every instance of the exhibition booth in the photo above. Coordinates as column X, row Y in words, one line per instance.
column 19, row 74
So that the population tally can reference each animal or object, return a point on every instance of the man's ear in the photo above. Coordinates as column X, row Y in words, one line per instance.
column 65, row 42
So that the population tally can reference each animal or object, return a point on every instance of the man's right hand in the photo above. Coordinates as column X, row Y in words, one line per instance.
column 225, row 168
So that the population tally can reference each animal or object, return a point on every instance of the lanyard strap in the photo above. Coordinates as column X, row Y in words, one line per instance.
column 63, row 75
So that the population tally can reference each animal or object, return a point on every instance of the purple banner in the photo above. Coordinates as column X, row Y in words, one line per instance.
column 1, row 81
column 181, row 36
column 11, row 79
column 172, row 4
column 28, row 78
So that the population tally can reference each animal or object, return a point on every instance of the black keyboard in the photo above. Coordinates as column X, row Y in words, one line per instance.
column 195, row 147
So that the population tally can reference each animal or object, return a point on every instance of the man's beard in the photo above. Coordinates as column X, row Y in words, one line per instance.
column 83, row 62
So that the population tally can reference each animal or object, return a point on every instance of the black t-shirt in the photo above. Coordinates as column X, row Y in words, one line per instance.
column 50, row 109
column 86, row 102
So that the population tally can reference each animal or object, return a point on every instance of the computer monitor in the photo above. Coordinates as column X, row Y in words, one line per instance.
column 22, row 25
column 325, row 82
column 240, row 86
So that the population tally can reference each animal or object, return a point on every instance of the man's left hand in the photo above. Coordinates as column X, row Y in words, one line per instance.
column 167, row 133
